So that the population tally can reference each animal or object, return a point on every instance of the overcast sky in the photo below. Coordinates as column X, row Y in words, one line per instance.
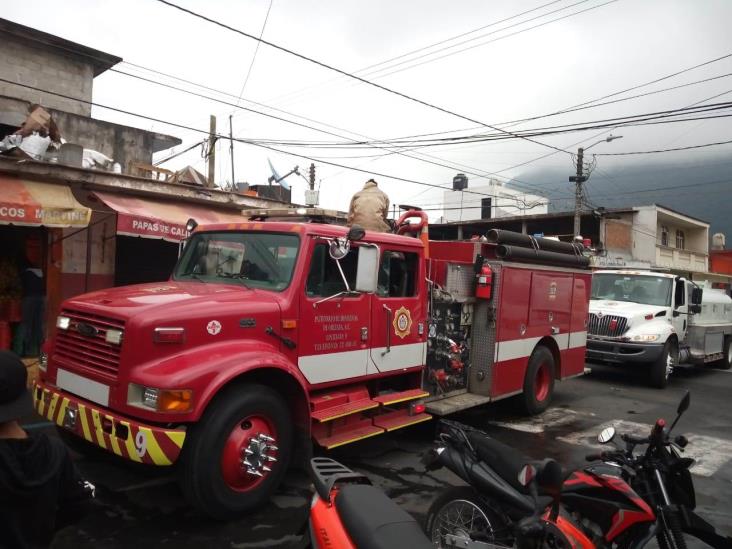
column 514, row 71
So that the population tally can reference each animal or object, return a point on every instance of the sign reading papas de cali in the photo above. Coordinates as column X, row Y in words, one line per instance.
column 154, row 228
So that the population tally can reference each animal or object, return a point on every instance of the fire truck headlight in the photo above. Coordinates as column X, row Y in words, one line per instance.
column 63, row 322
column 646, row 338
column 160, row 400
column 114, row 337
column 43, row 361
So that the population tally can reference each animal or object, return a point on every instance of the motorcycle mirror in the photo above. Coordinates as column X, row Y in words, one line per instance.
column 606, row 435
column 527, row 475
column 684, row 404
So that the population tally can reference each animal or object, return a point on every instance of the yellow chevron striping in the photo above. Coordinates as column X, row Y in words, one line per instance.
column 130, row 444
column 98, row 428
column 52, row 406
column 42, row 403
column 177, row 437
column 156, row 454
column 62, row 411
column 85, row 423
column 113, row 440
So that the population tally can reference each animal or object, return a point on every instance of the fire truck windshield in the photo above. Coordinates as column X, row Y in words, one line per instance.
column 648, row 290
column 257, row 259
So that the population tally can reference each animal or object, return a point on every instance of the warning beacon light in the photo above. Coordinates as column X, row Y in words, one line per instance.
column 191, row 225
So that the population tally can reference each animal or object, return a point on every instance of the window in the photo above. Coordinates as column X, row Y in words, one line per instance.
column 324, row 278
column 680, row 239
column 256, row 259
column 664, row 235
column 485, row 208
column 397, row 274
column 645, row 289
column 679, row 294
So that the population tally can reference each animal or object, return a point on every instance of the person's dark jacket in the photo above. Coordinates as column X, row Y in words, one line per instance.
column 40, row 491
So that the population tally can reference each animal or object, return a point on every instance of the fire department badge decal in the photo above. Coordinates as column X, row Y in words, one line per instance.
column 213, row 327
column 402, row 322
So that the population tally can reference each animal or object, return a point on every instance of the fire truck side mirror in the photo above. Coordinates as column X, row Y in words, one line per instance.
column 367, row 271
column 356, row 233
column 696, row 295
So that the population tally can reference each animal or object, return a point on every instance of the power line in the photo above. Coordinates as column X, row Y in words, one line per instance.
column 350, row 75
column 256, row 50
column 667, row 150
column 495, row 39
column 407, row 54
column 219, row 136
column 373, row 144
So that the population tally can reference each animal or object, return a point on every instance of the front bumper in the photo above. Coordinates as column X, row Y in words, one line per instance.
column 122, row 436
column 620, row 351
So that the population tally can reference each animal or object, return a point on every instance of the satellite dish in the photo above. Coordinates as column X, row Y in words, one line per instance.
column 276, row 177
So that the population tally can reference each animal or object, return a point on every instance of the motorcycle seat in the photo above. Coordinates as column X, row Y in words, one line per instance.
column 504, row 460
column 373, row 521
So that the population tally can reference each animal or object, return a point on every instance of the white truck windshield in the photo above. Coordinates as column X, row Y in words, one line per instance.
column 256, row 259
column 648, row 290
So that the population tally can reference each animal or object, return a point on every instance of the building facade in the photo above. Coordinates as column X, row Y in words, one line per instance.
column 66, row 229
column 491, row 201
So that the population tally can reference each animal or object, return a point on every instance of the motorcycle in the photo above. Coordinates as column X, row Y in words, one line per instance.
column 660, row 476
column 347, row 512
column 624, row 501
column 509, row 501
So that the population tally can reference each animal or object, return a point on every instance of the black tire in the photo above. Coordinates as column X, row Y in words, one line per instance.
column 539, row 381
column 660, row 370
column 495, row 529
column 726, row 362
column 200, row 469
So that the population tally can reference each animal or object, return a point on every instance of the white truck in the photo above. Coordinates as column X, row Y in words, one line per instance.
column 657, row 319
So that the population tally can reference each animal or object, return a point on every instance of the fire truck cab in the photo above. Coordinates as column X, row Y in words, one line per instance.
column 273, row 334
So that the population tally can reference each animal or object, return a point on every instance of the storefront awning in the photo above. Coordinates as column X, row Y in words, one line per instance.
column 151, row 218
column 32, row 203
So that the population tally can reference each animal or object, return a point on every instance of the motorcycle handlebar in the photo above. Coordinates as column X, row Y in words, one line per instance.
column 635, row 440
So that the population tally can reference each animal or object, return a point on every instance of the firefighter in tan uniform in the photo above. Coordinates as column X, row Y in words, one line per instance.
column 369, row 208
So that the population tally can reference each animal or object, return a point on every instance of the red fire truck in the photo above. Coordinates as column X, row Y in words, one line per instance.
column 274, row 333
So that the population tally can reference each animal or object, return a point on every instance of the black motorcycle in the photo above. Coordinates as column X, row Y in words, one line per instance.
column 659, row 475
column 625, row 501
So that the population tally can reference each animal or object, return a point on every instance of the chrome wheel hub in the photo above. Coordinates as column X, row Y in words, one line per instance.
column 669, row 364
column 256, row 455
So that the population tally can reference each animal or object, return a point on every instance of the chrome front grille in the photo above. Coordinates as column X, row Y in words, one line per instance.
column 88, row 353
column 607, row 325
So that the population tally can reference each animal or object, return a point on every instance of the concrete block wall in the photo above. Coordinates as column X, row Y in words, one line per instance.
column 29, row 64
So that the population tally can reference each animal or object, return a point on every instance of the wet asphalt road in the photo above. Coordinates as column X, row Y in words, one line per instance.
column 140, row 507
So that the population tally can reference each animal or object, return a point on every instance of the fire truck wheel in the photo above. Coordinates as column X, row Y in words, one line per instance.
column 236, row 455
column 726, row 362
column 661, row 369
column 539, row 381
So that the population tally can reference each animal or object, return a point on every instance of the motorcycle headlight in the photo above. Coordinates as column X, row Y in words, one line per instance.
column 646, row 338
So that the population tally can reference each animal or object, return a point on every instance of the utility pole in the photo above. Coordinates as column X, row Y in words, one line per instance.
column 578, row 180
column 212, row 152
column 231, row 150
